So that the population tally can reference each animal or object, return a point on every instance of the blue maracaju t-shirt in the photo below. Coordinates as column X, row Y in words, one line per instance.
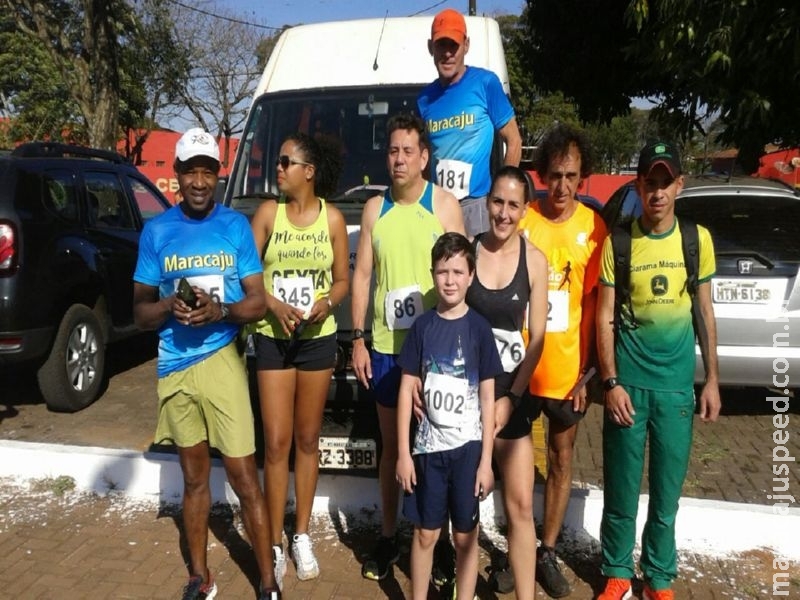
column 461, row 120
column 215, row 254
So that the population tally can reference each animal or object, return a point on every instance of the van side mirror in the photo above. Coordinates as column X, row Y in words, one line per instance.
column 219, row 192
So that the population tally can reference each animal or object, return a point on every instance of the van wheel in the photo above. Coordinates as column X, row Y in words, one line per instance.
column 71, row 377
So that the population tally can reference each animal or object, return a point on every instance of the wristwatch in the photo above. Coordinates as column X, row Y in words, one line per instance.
column 225, row 310
column 358, row 334
column 610, row 383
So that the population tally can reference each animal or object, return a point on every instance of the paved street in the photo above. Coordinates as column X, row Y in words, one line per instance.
column 55, row 545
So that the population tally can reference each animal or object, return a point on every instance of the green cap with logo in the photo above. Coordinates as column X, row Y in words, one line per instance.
column 659, row 153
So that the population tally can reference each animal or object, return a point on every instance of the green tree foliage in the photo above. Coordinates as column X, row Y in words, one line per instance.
column 734, row 60
column 536, row 111
column 615, row 143
column 31, row 89
column 88, row 70
column 80, row 40
column 155, row 68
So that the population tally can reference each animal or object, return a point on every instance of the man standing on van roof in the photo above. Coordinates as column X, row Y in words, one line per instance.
column 462, row 110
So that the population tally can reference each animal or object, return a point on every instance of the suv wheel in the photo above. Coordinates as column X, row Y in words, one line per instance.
column 71, row 377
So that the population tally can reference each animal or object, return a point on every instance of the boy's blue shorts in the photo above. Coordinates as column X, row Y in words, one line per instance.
column 445, row 483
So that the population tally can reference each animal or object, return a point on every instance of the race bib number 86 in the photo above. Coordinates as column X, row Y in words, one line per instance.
column 402, row 306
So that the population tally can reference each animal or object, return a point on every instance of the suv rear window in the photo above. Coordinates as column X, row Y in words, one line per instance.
column 769, row 225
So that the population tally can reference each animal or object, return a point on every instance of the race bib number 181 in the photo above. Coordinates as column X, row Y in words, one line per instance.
column 454, row 176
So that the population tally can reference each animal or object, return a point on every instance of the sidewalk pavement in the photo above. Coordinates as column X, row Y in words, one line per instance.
column 109, row 546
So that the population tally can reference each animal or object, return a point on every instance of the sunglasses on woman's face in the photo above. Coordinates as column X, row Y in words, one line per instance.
column 284, row 161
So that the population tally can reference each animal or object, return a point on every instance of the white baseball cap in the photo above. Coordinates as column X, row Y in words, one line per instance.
column 196, row 142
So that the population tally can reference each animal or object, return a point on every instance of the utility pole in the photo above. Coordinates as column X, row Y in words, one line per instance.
column 472, row 9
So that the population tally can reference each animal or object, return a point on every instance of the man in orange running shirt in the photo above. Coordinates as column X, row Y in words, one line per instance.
column 571, row 236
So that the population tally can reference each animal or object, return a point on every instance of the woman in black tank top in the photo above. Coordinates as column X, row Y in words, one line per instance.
column 510, row 286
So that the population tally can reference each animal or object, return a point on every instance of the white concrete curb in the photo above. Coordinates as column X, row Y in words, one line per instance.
column 704, row 526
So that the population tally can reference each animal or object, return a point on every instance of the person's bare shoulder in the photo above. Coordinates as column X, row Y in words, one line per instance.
column 534, row 256
column 370, row 213
column 266, row 209
column 448, row 210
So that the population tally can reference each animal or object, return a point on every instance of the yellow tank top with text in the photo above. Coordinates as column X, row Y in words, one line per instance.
column 298, row 265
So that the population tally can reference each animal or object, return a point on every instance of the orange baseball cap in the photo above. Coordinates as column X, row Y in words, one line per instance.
column 449, row 24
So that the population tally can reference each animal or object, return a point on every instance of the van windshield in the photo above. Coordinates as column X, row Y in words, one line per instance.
column 355, row 118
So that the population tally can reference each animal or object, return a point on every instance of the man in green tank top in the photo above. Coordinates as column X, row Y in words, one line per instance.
column 398, row 230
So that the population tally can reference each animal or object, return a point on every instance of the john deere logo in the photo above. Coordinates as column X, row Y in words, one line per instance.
column 659, row 285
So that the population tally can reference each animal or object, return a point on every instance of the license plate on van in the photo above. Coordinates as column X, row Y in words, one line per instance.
column 347, row 453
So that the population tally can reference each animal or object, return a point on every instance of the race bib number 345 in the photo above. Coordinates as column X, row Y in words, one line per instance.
column 296, row 291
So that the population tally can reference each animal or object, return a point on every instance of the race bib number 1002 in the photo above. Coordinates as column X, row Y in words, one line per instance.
column 557, row 310
column 446, row 399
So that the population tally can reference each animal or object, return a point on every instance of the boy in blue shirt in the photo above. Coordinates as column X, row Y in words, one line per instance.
column 451, row 355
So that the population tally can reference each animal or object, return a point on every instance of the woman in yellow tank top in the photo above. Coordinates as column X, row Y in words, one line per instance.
column 304, row 248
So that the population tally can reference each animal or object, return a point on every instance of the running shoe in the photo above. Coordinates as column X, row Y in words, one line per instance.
column 378, row 564
column 305, row 562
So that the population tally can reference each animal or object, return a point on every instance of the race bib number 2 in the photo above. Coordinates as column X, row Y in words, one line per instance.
column 557, row 310
column 454, row 176
column 402, row 306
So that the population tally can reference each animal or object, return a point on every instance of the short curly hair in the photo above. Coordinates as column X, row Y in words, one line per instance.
column 557, row 142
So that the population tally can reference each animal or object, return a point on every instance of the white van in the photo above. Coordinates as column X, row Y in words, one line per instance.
column 345, row 79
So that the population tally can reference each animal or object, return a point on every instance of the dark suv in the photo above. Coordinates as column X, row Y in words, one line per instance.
column 70, row 219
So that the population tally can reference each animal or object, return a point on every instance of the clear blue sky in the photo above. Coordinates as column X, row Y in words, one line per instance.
column 276, row 13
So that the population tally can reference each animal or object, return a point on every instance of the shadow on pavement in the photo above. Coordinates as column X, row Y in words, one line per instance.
column 753, row 401
column 222, row 523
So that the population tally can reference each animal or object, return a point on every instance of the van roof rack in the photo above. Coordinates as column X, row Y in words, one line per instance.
column 59, row 150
